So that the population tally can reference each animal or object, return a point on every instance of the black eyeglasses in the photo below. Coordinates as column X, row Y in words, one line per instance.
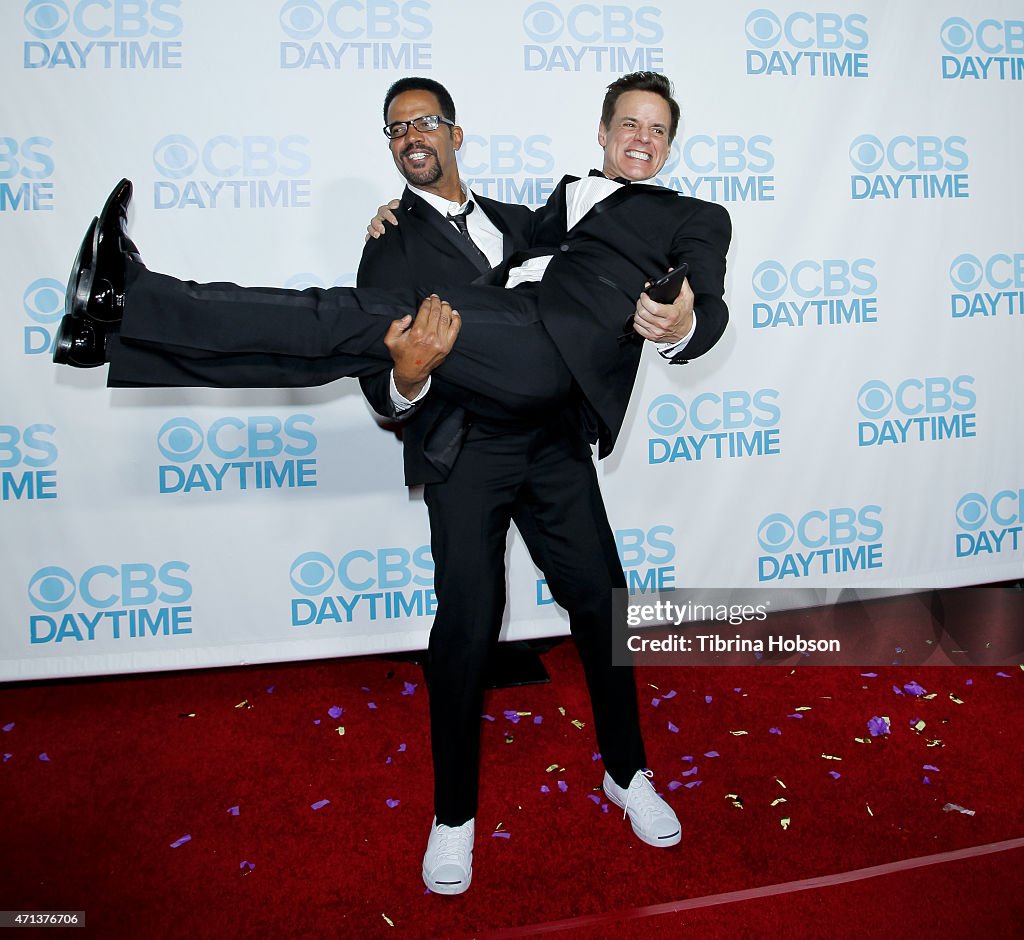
column 425, row 122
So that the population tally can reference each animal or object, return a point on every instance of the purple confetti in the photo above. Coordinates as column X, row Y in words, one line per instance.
column 372, row 705
column 740, row 689
column 712, row 754
column 925, row 780
column 688, row 757
column 870, row 675
column 512, row 716
column 392, row 803
column 1003, row 675
column 387, row 760
column 364, row 688
column 969, row 682
column 233, row 810
column 409, row 689
column 319, row 804
column 545, row 788
column 914, row 721
column 834, row 774
column 674, row 785
column 594, row 797
column 501, row 835
column 796, row 715
column 775, row 730
column 8, row 727
column 335, row 712
column 708, row 699
column 878, row 726
column 655, row 702
column 596, row 756
column 44, row 756
column 181, row 841
column 897, row 690
column 488, row 717
column 563, row 786
column 270, row 691
column 690, row 772
column 673, row 728
column 316, row 721
column 248, row 866
column 538, row 719
column 401, row 748
column 932, row 768
column 7, row 757
column 693, row 783
column 914, row 689
column 604, row 807
column 669, row 695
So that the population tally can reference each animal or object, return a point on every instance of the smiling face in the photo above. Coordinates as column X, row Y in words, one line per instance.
column 636, row 141
column 426, row 158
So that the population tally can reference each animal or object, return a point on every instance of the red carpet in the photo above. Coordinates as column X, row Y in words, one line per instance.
column 101, row 779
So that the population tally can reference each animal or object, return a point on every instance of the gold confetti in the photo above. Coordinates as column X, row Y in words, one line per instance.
column 653, row 686
column 738, row 733
column 552, row 767
column 868, row 805
column 579, row 724
column 524, row 714
column 802, row 708
column 390, row 922
column 499, row 827
column 955, row 700
column 862, row 740
column 243, row 704
column 509, row 738
column 831, row 757
column 919, row 725
column 561, row 711
column 784, row 822
column 780, row 783
column 934, row 742
column 735, row 799
column 778, row 800
column 186, row 714
column 341, row 730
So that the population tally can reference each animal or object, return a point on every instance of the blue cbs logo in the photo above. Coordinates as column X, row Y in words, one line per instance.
column 234, row 453
column 229, row 171
column 722, row 168
column 907, row 166
column 838, row 540
column 731, row 424
column 987, row 286
column 103, row 34
column 28, row 457
column 819, row 44
column 356, row 35
column 999, row 45
column 26, row 171
column 989, row 526
column 370, row 583
column 916, row 410
column 43, row 303
column 830, row 292
column 592, row 37
column 110, row 601
column 509, row 168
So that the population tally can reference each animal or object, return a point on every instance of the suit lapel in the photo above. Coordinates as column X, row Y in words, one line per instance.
column 620, row 196
column 428, row 215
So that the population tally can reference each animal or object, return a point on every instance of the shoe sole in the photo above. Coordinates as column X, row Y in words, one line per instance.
column 83, row 271
column 665, row 843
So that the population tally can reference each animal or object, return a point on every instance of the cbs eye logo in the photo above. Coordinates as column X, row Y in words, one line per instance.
column 972, row 511
column 543, row 22
column 312, row 573
column 302, row 19
column 875, row 399
column 867, row 153
column 666, row 414
column 43, row 300
column 176, row 156
column 770, row 280
column 966, row 272
column 776, row 533
column 181, row 440
column 51, row 589
column 46, row 19
column 763, row 29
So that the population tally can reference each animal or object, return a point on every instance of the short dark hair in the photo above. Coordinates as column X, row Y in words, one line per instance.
column 414, row 83
column 641, row 81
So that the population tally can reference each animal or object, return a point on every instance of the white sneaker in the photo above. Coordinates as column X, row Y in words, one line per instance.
column 652, row 818
column 448, row 861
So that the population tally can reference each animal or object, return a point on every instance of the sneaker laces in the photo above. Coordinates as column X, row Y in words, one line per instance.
column 454, row 842
column 646, row 806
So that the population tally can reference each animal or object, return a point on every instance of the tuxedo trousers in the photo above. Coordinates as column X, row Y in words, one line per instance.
column 180, row 333
column 543, row 480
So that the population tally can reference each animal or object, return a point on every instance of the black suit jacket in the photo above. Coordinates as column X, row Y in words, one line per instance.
column 589, row 289
column 426, row 253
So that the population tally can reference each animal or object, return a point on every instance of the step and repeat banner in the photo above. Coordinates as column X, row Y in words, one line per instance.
column 858, row 426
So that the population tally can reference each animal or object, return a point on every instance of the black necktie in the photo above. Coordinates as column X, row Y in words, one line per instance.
column 463, row 227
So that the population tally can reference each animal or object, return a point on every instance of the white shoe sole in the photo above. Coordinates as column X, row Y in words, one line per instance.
column 662, row 843
column 447, row 887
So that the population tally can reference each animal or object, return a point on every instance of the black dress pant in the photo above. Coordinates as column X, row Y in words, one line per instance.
column 179, row 333
column 544, row 480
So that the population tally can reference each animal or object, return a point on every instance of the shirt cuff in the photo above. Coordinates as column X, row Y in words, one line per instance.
column 402, row 403
column 670, row 350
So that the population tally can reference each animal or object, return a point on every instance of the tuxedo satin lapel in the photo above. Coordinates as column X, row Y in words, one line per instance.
column 621, row 195
column 428, row 215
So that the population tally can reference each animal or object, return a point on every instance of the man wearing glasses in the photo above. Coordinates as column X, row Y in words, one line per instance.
column 486, row 462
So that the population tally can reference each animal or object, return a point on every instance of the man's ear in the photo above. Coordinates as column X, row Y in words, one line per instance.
column 602, row 135
column 457, row 137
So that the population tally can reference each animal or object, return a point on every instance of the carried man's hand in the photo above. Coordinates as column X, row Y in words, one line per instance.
column 385, row 213
column 419, row 346
column 665, row 323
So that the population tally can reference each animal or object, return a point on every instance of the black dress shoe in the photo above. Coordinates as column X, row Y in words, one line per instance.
column 80, row 342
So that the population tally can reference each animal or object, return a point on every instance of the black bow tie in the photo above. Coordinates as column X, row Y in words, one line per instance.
column 614, row 179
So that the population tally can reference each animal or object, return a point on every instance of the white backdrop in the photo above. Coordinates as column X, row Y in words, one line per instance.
column 860, row 423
